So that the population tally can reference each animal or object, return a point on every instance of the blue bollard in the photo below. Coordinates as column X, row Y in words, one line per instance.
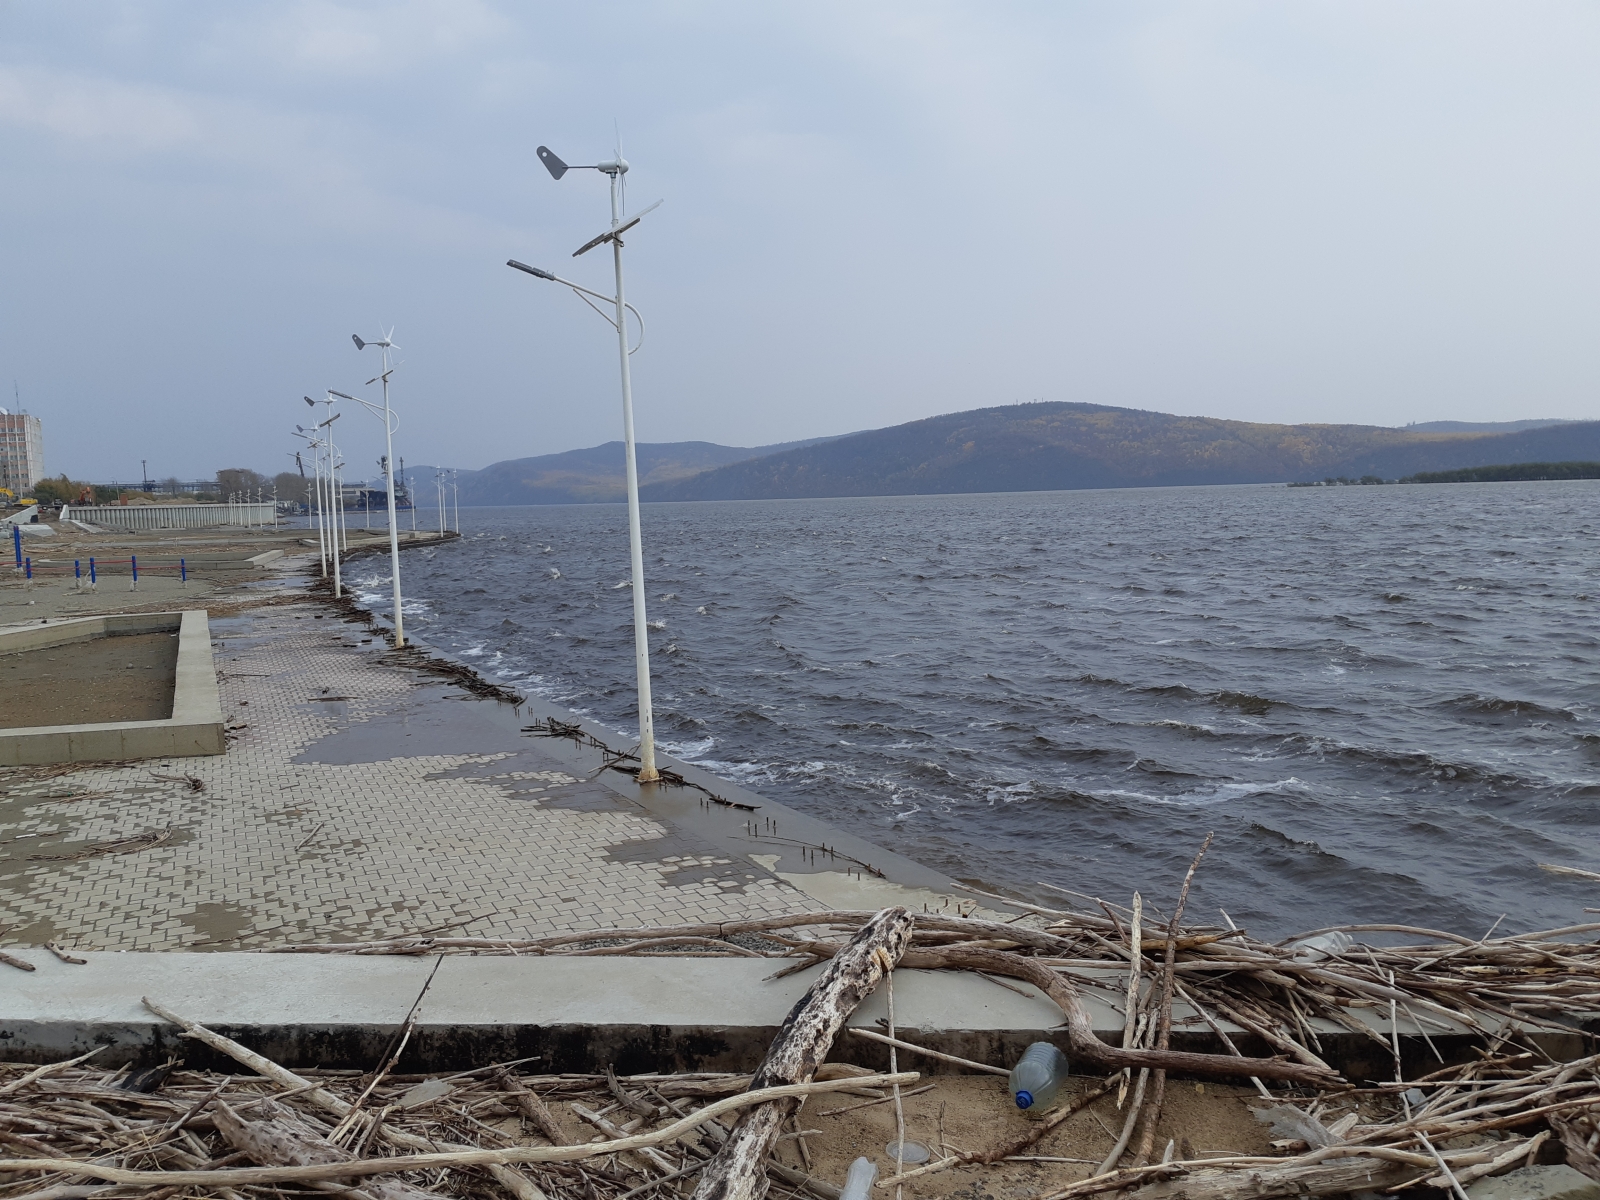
column 91, row 573
column 183, row 572
column 16, row 541
column 133, row 561
column 28, row 566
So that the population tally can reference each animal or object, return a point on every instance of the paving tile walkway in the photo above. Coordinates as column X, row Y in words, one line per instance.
column 357, row 800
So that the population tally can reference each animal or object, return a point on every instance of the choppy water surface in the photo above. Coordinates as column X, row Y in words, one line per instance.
column 1382, row 699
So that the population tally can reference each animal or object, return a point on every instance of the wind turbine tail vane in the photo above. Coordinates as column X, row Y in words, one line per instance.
column 554, row 165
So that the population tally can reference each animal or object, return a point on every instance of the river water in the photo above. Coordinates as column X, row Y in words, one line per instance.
column 1383, row 700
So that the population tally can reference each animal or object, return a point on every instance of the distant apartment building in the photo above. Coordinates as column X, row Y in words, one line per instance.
column 21, row 451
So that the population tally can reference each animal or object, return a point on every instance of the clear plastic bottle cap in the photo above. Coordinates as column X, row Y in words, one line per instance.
column 908, row 1152
column 1024, row 1099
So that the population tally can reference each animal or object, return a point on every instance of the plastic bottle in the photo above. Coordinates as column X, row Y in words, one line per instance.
column 1324, row 945
column 858, row 1183
column 1037, row 1078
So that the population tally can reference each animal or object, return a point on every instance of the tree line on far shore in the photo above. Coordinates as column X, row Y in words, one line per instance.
column 1499, row 473
column 230, row 482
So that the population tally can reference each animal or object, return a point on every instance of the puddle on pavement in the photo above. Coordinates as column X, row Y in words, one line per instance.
column 431, row 721
column 219, row 922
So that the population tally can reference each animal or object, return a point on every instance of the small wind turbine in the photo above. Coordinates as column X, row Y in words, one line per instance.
column 390, row 423
column 617, row 169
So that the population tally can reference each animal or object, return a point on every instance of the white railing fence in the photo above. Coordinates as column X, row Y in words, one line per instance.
column 170, row 516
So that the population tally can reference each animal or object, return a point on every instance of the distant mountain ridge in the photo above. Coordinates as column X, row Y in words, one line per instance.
column 1064, row 445
column 594, row 475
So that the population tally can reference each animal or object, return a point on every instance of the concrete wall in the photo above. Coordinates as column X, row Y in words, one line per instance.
column 194, row 728
column 169, row 516
column 647, row 1013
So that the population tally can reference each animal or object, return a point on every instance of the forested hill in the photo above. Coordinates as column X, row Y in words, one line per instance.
column 1052, row 446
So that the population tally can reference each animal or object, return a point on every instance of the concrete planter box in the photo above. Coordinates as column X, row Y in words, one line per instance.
column 194, row 728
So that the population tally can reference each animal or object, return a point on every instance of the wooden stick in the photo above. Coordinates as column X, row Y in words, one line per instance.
column 834, row 1112
column 738, row 1170
column 1315, row 1179
column 654, row 1157
column 1131, row 1003
column 387, row 1063
column 40, row 1072
column 533, row 1109
column 1164, row 1027
column 939, row 1054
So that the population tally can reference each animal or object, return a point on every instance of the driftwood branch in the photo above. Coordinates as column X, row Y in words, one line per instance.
column 513, row 1181
column 532, row 1108
column 1336, row 1178
column 449, row 1158
column 739, row 1169
column 276, row 1139
column 1574, row 1134
column 16, row 1085
column 1086, row 1047
column 1158, row 1078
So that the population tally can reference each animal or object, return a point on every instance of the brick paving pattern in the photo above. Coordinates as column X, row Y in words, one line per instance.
column 280, row 848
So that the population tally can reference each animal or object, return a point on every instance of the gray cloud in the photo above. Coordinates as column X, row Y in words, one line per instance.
column 1368, row 212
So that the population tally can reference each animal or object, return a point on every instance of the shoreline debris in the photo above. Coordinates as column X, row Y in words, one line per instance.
column 1498, row 1106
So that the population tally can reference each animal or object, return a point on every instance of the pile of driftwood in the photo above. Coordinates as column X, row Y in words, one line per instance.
column 380, row 1136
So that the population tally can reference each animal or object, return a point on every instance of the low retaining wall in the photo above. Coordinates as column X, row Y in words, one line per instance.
column 194, row 728
column 170, row 516
column 647, row 1013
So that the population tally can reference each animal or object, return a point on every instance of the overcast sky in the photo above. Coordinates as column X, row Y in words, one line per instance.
column 1373, row 212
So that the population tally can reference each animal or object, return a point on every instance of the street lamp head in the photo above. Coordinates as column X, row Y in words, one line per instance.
column 341, row 395
column 511, row 262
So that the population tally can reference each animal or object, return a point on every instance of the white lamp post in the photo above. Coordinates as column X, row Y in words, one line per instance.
column 390, row 423
column 314, row 444
column 615, row 169
column 335, row 520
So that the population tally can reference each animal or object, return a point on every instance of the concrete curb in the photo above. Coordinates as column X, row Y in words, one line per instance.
column 642, row 1013
column 194, row 728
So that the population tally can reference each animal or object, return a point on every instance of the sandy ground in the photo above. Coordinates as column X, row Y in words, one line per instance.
column 975, row 1113
column 128, row 678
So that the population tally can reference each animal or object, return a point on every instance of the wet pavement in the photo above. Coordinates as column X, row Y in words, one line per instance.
column 359, row 800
